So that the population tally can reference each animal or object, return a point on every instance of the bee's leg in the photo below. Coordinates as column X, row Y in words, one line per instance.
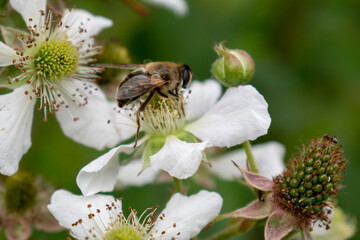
column 178, row 97
column 182, row 105
column 141, row 108
column 161, row 93
column 164, row 95
column 173, row 94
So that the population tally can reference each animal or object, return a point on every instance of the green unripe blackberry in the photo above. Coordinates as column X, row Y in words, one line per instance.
column 310, row 179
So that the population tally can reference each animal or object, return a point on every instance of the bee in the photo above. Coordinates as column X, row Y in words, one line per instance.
column 163, row 78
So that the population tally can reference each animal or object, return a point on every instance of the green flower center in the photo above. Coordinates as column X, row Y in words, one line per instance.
column 56, row 59
column 20, row 193
column 126, row 232
column 162, row 117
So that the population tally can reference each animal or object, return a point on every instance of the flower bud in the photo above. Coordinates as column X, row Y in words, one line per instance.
column 113, row 53
column 311, row 178
column 234, row 67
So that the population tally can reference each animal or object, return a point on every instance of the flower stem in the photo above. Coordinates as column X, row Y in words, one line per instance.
column 302, row 235
column 251, row 160
column 226, row 234
column 290, row 234
column 178, row 185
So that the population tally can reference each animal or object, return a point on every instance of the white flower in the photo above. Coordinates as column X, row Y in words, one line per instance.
column 269, row 158
column 179, row 7
column 101, row 217
column 176, row 144
column 128, row 174
column 52, row 59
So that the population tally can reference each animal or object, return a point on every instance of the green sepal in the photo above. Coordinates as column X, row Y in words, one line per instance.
column 9, row 71
column 153, row 145
column 9, row 35
column 186, row 136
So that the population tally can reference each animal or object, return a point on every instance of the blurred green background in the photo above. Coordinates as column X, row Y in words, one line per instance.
column 307, row 56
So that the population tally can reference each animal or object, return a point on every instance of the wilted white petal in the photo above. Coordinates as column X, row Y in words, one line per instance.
column 179, row 7
column 68, row 208
column 7, row 55
column 240, row 115
column 179, row 158
column 187, row 215
column 29, row 9
column 202, row 97
column 77, row 19
column 90, row 124
column 129, row 174
column 100, row 174
column 16, row 115
column 269, row 159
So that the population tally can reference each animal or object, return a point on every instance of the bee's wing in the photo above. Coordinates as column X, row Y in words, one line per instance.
column 138, row 85
column 119, row 65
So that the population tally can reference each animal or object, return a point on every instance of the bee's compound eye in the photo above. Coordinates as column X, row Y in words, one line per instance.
column 186, row 76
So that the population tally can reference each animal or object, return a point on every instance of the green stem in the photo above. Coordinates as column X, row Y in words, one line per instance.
column 290, row 234
column 302, row 235
column 178, row 185
column 226, row 234
column 251, row 160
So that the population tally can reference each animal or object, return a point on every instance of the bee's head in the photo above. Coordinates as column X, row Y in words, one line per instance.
column 186, row 75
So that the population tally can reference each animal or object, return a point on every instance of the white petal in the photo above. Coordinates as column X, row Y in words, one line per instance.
column 94, row 122
column 180, row 159
column 187, row 215
column 240, row 115
column 269, row 159
column 100, row 174
column 202, row 97
column 29, row 9
column 129, row 174
column 179, row 7
column 7, row 55
column 68, row 208
column 16, row 115
column 77, row 19
column 125, row 125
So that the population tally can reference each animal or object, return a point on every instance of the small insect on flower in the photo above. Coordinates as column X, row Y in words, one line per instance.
column 164, row 78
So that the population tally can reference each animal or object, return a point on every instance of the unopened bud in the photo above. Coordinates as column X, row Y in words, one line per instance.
column 113, row 53
column 234, row 67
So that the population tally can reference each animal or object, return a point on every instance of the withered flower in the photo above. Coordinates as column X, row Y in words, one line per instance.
column 301, row 195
